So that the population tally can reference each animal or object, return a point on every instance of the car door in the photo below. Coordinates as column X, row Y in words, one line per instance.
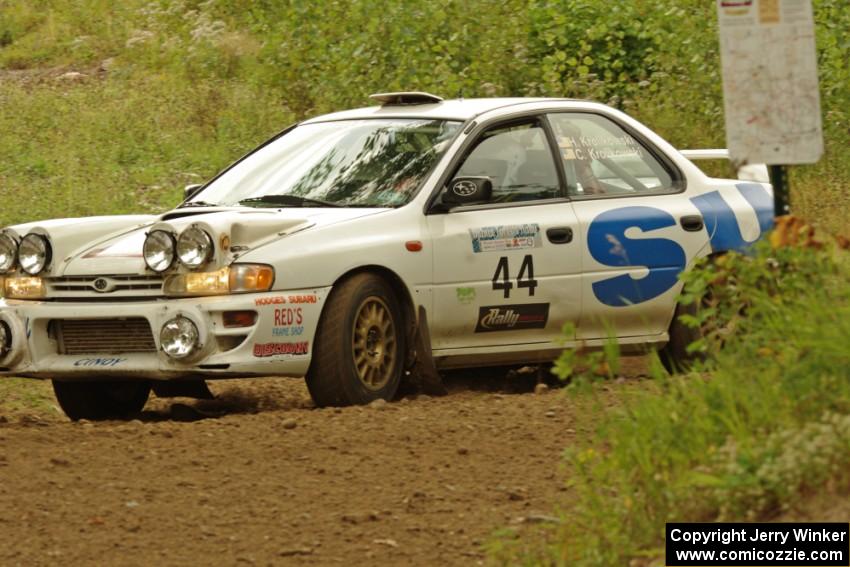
column 506, row 272
column 640, row 230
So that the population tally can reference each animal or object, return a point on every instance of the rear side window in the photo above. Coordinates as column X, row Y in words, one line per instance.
column 601, row 159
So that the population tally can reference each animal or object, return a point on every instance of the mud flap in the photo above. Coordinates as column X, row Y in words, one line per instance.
column 182, row 389
column 423, row 374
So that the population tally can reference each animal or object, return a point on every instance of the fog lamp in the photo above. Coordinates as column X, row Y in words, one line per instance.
column 179, row 337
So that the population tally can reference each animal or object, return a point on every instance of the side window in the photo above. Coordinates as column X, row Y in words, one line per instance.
column 600, row 158
column 518, row 160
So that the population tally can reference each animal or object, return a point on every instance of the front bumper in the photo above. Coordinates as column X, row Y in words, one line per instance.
column 278, row 343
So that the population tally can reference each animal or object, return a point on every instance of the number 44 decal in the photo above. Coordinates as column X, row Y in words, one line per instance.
column 502, row 277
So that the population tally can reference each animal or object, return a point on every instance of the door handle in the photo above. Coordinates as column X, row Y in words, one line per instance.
column 560, row 235
column 691, row 223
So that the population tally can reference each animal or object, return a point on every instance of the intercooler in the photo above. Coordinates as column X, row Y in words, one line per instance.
column 103, row 336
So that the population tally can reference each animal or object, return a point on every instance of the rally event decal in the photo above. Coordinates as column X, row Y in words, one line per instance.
column 508, row 237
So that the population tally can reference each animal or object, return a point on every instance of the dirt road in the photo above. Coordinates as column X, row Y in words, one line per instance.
column 260, row 477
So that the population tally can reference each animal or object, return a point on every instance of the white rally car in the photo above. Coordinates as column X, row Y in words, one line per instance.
column 361, row 247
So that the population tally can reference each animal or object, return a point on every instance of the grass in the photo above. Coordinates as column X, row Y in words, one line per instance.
column 26, row 397
column 112, row 147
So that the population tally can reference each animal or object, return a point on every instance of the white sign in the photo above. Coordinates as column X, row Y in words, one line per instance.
column 770, row 81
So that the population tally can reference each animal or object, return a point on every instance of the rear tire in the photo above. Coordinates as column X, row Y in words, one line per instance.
column 674, row 355
column 101, row 400
column 358, row 352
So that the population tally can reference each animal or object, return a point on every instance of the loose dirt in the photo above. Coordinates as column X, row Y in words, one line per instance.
column 260, row 477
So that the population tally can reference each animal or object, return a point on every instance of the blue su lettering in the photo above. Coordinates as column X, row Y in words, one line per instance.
column 609, row 245
column 720, row 220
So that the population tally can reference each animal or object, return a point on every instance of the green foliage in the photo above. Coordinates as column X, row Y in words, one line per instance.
column 285, row 60
column 768, row 423
column 733, row 290
column 578, row 366
column 205, row 62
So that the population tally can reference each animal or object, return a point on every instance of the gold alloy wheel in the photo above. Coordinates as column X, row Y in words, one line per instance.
column 374, row 343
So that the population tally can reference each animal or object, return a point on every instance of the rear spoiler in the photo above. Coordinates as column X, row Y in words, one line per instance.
column 749, row 172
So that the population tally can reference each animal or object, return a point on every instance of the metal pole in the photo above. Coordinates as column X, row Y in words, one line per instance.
column 781, row 191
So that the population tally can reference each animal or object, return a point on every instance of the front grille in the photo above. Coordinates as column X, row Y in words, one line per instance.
column 104, row 336
column 104, row 286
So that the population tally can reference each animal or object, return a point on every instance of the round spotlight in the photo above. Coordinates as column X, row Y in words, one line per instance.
column 158, row 250
column 34, row 253
column 179, row 337
column 5, row 339
column 8, row 252
column 194, row 247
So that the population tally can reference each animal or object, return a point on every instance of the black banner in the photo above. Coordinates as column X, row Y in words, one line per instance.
column 512, row 317
column 744, row 544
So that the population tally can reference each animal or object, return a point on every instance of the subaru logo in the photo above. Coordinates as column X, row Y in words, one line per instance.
column 464, row 188
column 101, row 285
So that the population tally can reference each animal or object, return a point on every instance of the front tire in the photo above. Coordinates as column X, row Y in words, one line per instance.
column 358, row 352
column 101, row 400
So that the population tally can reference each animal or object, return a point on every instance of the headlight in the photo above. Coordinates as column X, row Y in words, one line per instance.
column 179, row 337
column 158, row 250
column 34, row 253
column 8, row 252
column 194, row 247
column 238, row 278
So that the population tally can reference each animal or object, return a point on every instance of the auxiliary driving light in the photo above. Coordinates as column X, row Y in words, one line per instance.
column 34, row 253
column 8, row 253
column 158, row 250
column 194, row 247
column 179, row 337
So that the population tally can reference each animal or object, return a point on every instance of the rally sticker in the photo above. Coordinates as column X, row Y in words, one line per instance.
column 512, row 317
column 103, row 362
column 271, row 349
column 507, row 237
column 465, row 295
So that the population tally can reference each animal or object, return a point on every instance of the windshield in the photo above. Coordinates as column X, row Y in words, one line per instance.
column 375, row 163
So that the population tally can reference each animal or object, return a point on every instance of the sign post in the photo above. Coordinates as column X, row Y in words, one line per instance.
column 770, row 86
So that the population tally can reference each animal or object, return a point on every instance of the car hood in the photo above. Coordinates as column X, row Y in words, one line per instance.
column 113, row 245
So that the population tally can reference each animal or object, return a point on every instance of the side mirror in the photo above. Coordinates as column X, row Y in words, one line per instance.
column 468, row 191
column 190, row 190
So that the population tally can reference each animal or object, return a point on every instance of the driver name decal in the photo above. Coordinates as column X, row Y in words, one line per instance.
column 507, row 237
column 512, row 317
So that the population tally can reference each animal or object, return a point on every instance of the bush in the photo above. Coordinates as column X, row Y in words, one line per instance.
column 741, row 438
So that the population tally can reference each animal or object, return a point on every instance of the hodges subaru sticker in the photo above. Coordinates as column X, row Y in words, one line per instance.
column 512, row 317
column 507, row 237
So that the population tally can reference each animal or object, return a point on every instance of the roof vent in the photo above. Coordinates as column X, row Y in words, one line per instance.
column 392, row 99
